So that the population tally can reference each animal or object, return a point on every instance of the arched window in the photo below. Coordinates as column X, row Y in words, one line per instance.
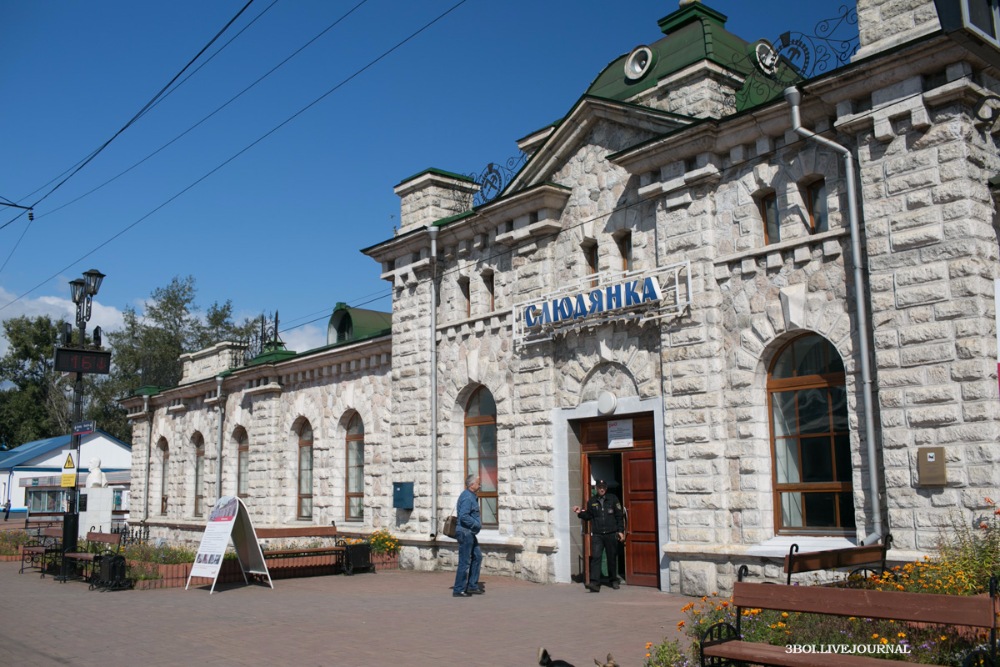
column 481, row 450
column 305, row 504
column 243, row 462
column 164, row 464
column 810, row 441
column 355, row 501
column 199, row 474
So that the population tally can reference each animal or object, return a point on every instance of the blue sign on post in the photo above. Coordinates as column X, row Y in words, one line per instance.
column 84, row 428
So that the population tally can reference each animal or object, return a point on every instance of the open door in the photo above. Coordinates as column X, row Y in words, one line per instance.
column 642, row 561
column 631, row 474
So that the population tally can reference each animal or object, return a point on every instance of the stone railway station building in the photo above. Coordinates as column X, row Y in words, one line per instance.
column 762, row 305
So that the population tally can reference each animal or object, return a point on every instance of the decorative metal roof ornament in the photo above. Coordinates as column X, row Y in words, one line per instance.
column 264, row 339
column 795, row 56
column 495, row 177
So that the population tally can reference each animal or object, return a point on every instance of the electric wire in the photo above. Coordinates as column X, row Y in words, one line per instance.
column 233, row 157
column 210, row 115
column 625, row 207
column 377, row 296
column 80, row 165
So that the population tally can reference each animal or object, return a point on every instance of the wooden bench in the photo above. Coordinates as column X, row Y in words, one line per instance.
column 42, row 550
column 99, row 545
column 336, row 550
column 862, row 558
column 722, row 643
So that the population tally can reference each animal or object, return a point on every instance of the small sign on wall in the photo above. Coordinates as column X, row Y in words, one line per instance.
column 620, row 434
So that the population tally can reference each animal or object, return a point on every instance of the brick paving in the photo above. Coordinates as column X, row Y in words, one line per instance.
column 392, row 618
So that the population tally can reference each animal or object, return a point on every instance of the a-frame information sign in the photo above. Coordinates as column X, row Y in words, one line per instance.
column 229, row 519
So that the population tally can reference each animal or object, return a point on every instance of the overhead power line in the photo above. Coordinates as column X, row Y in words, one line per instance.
column 87, row 160
column 225, row 162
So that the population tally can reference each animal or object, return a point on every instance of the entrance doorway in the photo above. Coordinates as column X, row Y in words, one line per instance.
column 625, row 459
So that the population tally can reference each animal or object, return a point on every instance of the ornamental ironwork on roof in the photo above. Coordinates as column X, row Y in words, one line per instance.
column 495, row 178
column 795, row 56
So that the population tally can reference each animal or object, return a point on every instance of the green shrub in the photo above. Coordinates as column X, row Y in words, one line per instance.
column 165, row 554
column 969, row 554
column 11, row 541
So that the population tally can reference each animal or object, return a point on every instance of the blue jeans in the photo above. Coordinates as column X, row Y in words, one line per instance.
column 470, row 558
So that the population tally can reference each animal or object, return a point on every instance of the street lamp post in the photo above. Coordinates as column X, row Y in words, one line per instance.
column 83, row 290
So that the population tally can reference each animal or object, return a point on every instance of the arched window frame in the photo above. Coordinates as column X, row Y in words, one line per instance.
column 354, row 452
column 795, row 451
column 164, row 449
column 199, row 474
column 480, row 430
column 304, row 505
column 242, row 462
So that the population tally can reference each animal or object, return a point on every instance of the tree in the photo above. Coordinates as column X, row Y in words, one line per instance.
column 146, row 350
column 32, row 402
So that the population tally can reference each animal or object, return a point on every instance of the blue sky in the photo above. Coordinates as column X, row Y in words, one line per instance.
column 269, row 201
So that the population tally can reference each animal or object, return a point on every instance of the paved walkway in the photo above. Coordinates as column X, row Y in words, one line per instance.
column 397, row 619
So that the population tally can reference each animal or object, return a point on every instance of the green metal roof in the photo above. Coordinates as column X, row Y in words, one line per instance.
column 694, row 33
column 353, row 324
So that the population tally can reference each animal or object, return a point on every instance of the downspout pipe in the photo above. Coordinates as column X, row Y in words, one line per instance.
column 222, row 417
column 149, row 456
column 794, row 98
column 432, row 231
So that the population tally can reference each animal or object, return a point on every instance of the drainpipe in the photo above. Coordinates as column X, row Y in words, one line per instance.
column 793, row 96
column 432, row 231
column 222, row 416
column 149, row 455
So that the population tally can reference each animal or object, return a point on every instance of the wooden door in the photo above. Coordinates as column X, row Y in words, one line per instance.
column 642, row 551
column 637, row 491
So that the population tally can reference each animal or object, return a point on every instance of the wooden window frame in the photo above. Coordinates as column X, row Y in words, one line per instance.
column 801, row 383
column 352, row 440
column 199, row 475
column 809, row 191
column 478, row 422
column 242, row 454
column 164, row 448
column 301, row 496
column 766, row 202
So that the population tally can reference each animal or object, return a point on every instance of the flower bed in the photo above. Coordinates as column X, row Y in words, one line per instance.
column 970, row 554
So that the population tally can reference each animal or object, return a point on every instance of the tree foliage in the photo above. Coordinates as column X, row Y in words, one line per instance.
column 32, row 402
column 144, row 352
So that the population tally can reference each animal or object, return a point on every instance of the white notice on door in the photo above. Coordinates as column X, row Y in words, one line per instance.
column 620, row 434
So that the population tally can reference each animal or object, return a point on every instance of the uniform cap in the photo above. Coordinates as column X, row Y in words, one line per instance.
column 601, row 483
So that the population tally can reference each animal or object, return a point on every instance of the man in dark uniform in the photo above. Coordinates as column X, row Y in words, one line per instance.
column 607, row 528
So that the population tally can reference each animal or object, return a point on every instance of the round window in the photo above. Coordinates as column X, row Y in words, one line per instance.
column 639, row 62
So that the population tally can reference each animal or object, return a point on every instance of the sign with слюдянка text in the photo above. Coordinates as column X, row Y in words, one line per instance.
column 598, row 298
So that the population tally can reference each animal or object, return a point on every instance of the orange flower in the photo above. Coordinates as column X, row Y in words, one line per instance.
column 680, row 624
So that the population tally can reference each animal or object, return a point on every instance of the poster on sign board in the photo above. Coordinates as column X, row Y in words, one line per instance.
column 228, row 519
column 620, row 434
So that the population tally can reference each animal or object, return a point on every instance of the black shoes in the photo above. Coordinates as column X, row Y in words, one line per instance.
column 614, row 585
column 476, row 591
column 463, row 594
column 594, row 588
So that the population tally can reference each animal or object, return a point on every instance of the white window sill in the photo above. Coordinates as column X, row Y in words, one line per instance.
column 778, row 546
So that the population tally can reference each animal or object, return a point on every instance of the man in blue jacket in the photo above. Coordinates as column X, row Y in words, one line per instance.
column 469, row 555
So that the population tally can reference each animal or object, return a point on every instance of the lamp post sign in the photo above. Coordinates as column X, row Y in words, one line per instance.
column 79, row 359
column 84, row 428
